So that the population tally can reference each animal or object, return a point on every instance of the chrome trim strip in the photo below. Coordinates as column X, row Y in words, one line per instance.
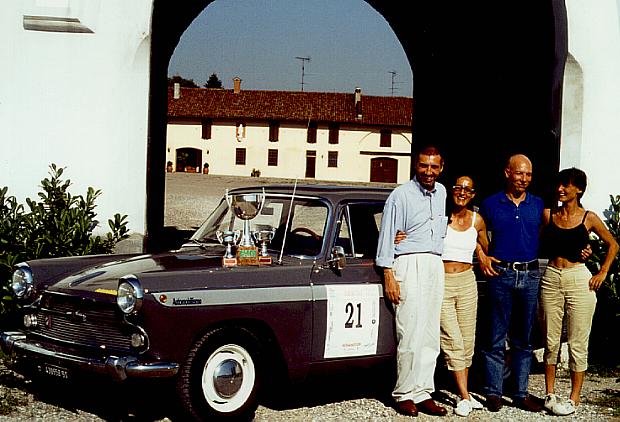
column 234, row 296
column 246, row 296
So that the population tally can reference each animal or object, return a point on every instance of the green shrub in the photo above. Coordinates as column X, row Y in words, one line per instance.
column 57, row 224
column 607, row 315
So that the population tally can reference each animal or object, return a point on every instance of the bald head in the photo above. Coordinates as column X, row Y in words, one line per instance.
column 517, row 160
column 518, row 174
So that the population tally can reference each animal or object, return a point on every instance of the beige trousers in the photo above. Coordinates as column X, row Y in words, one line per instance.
column 421, row 279
column 566, row 293
column 458, row 319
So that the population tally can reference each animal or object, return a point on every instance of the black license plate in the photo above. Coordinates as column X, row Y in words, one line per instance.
column 55, row 371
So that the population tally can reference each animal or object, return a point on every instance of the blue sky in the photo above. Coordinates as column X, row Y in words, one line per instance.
column 348, row 42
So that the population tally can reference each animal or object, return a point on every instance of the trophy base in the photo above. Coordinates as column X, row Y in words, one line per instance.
column 229, row 262
column 264, row 260
column 247, row 255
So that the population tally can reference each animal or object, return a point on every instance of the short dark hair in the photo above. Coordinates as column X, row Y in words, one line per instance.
column 428, row 150
column 573, row 176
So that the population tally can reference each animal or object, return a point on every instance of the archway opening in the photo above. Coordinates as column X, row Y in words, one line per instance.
column 486, row 86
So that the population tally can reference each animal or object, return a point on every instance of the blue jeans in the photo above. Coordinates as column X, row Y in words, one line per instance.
column 513, row 298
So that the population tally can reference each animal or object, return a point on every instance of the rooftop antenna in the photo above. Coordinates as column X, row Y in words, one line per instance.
column 393, row 88
column 303, row 68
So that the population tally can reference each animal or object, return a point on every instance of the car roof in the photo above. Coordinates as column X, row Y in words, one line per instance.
column 328, row 191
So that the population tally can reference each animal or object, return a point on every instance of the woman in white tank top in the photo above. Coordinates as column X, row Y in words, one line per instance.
column 466, row 234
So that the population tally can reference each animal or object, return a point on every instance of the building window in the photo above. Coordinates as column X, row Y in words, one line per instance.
column 332, row 159
column 240, row 156
column 206, row 128
column 312, row 127
column 274, row 129
column 240, row 131
column 272, row 157
column 333, row 133
column 386, row 138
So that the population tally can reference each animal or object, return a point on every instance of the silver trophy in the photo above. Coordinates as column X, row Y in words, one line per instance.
column 246, row 206
column 228, row 238
column 263, row 237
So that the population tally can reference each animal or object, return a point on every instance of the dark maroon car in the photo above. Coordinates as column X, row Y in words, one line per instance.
column 218, row 330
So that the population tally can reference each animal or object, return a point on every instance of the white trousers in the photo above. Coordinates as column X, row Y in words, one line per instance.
column 421, row 279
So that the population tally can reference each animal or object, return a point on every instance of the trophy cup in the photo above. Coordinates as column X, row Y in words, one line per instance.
column 228, row 238
column 246, row 206
column 263, row 237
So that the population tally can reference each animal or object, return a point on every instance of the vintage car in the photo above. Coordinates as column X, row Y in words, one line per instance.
column 217, row 316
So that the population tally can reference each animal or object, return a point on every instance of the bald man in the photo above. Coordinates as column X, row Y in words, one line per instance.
column 513, row 218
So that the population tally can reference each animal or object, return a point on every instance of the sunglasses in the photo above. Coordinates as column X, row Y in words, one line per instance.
column 466, row 189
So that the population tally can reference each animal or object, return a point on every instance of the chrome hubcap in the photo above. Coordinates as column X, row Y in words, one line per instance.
column 228, row 378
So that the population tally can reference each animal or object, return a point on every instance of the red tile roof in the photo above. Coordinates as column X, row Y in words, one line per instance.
column 200, row 103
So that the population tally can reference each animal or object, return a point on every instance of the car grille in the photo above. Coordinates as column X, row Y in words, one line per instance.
column 83, row 323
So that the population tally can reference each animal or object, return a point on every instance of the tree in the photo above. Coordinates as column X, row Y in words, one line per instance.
column 213, row 82
column 185, row 83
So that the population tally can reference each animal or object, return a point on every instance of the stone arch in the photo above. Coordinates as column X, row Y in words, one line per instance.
column 486, row 85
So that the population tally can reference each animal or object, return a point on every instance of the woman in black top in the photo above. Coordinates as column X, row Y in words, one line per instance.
column 567, row 287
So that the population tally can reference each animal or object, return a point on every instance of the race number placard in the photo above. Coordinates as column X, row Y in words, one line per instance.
column 352, row 320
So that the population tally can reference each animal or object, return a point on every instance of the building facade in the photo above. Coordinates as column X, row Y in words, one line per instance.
column 297, row 135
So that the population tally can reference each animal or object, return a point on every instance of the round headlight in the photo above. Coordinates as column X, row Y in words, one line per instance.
column 22, row 281
column 129, row 294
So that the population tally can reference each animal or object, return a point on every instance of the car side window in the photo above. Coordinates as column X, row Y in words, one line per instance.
column 359, row 229
column 344, row 234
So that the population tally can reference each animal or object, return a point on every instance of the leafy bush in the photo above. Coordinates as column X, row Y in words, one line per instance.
column 607, row 315
column 58, row 224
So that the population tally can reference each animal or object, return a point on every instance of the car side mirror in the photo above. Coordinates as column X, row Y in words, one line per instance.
column 337, row 259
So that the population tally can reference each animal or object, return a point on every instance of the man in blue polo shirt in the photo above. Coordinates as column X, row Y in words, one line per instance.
column 513, row 218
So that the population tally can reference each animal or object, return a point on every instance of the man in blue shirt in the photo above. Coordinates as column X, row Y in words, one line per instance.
column 513, row 218
column 414, row 279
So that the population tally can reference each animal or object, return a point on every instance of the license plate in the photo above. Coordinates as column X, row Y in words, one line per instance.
column 55, row 371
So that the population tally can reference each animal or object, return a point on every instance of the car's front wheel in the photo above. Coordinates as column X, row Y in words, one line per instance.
column 221, row 376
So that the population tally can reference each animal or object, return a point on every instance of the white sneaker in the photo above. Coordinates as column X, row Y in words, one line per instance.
column 564, row 408
column 463, row 408
column 475, row 404
column 550, row 401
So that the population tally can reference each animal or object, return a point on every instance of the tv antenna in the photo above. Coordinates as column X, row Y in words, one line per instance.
column 303, row 69
column 393, row 88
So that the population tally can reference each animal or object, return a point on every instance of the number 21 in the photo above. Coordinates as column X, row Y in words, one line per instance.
column 350, row 309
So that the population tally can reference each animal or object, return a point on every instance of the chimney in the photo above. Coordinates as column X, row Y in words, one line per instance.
column 358, row 103
column 177, row 91
column 237, row 85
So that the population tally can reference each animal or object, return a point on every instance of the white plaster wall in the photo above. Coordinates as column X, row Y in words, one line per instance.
column 219, row 151
column 572, row 115
column 77, row 100
column 594, row 42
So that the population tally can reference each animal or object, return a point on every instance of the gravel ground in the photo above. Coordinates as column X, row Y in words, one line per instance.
column 189, row 199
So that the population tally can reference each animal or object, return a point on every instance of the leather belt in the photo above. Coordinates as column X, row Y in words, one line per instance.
column 519, row 266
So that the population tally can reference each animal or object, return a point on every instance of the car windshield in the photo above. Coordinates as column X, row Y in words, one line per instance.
column 303, row 235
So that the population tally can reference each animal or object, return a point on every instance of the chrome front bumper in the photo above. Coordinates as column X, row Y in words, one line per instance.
column 116, row 367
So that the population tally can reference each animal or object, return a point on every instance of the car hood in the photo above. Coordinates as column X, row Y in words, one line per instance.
column 178, row 270
column 104, row 278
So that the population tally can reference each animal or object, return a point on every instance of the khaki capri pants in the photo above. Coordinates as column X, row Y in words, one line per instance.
column 567, row 292
column 458, row 319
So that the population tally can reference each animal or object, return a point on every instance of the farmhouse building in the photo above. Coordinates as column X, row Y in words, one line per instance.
column 317, row 135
